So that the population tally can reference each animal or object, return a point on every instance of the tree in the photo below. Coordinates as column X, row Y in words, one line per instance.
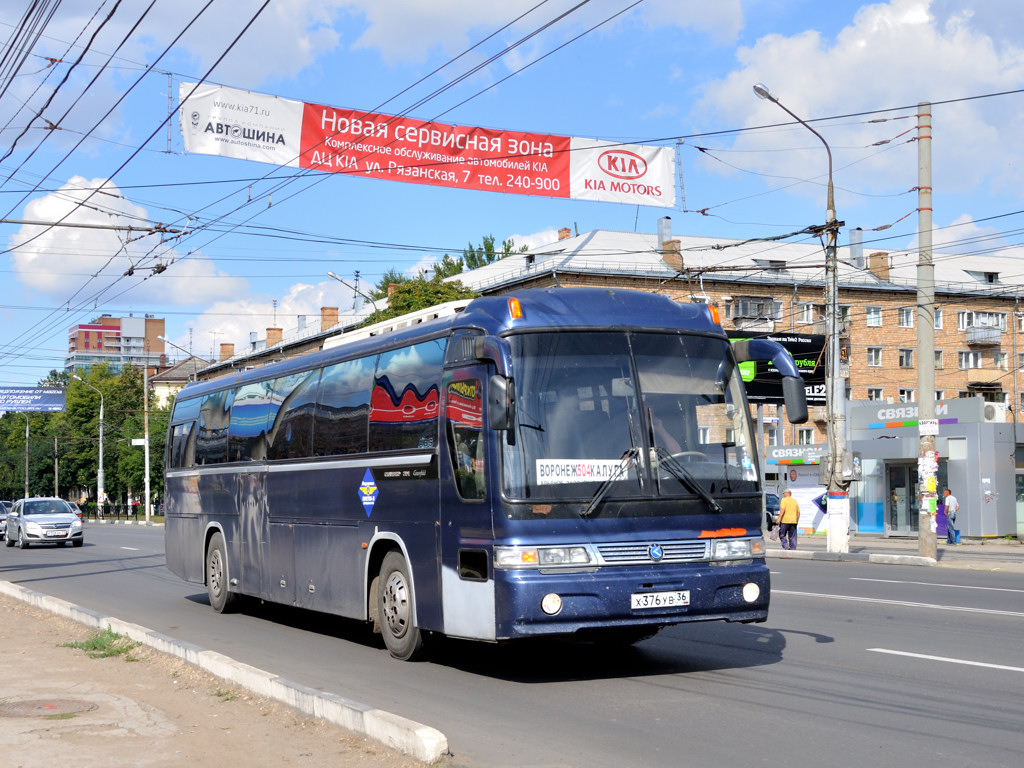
column 476, row 257
column 420, row 293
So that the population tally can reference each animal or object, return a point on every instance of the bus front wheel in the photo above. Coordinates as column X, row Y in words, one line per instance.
column 221, row 596
column 396, row 609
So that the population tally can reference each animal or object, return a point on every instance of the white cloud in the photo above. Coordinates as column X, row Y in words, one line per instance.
column 892, row 54
column 81, row 265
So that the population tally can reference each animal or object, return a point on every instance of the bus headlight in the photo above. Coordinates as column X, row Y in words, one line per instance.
column 541, row 557
column 737, row 549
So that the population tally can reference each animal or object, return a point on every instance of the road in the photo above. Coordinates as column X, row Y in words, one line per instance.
column 858, row 663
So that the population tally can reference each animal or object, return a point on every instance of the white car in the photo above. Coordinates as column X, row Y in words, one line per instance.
column 43, row 521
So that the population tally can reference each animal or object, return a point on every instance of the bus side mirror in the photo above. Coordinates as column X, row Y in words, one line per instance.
column 795, row 397
column 500, row 396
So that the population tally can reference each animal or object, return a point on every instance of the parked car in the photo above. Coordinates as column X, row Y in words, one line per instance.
column 771, row 506
column 5, row 507
column 43, row 521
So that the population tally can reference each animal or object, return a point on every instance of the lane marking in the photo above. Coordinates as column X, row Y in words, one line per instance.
column 947, row 659
column 904, row 603
column 932, row 584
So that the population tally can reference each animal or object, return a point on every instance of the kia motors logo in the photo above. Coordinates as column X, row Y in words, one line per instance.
column 622, row 164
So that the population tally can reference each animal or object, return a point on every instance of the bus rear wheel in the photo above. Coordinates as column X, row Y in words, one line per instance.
column 221, row 596
column 396, row 609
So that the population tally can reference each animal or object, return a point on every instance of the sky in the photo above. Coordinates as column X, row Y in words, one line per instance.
column 89, row 136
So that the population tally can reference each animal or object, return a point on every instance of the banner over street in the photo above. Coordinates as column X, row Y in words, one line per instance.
column 250, row 126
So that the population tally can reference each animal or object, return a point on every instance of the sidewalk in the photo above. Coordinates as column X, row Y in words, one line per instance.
column 974, row 554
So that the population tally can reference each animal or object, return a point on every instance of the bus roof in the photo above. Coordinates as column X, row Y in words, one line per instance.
column 537, row 308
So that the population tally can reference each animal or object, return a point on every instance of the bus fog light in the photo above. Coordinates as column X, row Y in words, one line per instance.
column 551, row 604
column 751, row 592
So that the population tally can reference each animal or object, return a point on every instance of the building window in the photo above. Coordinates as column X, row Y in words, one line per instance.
column 939, row 394
column 844, row 313
column 805, row 436
column 969, row 359
column 938, row 359
column 771, row 435
column 874, row 316
column 906, row 317
column 875, row 357
column 938, row 318
column 704, row 435
column 1000, row 361
column 907, row 395
column 1020, row 361
column 756, row 307
column 876, row 393
column 805, row 314
column 906, row 358
column 967, row 319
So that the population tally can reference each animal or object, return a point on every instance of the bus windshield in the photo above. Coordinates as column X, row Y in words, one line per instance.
column 627, row 415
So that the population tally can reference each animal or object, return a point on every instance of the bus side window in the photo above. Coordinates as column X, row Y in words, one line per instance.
column 404, row 401
column 464, row 412
column 290, row 417
column 343, row 408
column 212, row 440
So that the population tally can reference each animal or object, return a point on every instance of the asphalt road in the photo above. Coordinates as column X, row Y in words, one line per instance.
column 858, row 664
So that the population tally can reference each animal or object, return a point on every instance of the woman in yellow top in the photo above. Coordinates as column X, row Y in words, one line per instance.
column 789, row 516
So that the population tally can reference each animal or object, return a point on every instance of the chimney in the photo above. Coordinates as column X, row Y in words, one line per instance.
column 564, row 233
column 301, row 323
column 227, row 351
column 254, row 338
column 671, row 254
column 274, row 336
column 328, row 317
column 391, row 288
column 857, row 248
column 878, row 265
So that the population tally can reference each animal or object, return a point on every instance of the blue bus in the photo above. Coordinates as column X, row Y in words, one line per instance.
column 570, row 461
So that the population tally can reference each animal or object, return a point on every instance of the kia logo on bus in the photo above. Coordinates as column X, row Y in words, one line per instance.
column 622, row 164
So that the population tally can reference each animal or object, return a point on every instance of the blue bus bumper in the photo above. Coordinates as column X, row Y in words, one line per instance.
column 603, row 599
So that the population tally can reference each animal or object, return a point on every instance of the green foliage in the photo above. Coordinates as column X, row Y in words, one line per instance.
column 106, row 644
column 476, row 257
column 420, row 293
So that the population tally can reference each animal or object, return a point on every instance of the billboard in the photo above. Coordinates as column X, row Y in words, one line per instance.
column 48, row 399
column 763, row 380
column 228, row 122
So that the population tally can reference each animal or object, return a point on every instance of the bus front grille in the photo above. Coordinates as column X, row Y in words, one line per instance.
column 633, row 553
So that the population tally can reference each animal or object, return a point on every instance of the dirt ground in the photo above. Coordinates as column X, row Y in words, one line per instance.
column 58, row 706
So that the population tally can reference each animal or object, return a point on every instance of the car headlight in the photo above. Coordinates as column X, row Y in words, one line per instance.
column 737, row 549
column 76, row 523
column 541, row 557
column 33, row 528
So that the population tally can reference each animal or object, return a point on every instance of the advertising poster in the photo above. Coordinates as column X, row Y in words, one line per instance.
column 228, row 122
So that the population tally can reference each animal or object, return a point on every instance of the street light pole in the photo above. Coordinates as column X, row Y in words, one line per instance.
column 838, row 476
column 369, row 299
column 100, row 495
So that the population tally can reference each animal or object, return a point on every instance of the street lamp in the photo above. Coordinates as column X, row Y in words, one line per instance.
column 100, row 496
column 839, row 474
column 347, row 285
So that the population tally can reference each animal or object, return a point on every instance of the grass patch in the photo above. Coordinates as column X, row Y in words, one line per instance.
column 106, row 644
column 225, row 695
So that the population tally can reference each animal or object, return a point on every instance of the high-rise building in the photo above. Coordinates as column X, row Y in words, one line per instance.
column 116, row 341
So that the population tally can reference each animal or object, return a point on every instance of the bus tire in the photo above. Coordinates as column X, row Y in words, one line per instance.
column 396, row 609
column 217, row 587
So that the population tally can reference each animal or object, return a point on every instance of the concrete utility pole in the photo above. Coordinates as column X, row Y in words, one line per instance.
column 145, row 422
column 101, row 496
column 928, row 427
column 839, row 468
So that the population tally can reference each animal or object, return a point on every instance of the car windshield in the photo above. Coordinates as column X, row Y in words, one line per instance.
column 590, row 405
column 46, row 507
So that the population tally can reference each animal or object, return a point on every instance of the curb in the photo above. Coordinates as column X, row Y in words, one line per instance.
column 418, row 741
column 797, row 554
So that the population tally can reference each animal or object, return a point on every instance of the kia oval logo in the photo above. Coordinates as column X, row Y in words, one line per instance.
column 655, row 552
column 622, row 164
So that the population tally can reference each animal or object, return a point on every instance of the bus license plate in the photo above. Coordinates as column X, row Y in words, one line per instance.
column 643, row 600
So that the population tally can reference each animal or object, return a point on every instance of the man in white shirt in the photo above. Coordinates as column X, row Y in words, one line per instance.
column 952, row 506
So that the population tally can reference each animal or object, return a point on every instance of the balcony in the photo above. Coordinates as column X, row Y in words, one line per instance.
column 981, row 336
column 986, row 376
column 754, row 324
column 821, row 328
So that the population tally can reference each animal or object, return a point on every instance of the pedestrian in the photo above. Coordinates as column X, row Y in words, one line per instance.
column 789, row 516
column 952, row 507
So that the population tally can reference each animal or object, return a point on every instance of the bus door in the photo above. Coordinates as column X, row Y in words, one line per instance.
column 467, row 490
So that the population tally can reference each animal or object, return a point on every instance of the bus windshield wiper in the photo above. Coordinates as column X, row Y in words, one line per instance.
column 678, row 471
column 625, row 462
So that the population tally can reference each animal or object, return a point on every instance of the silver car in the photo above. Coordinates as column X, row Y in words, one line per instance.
column 5, row 507
column 43, row 521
